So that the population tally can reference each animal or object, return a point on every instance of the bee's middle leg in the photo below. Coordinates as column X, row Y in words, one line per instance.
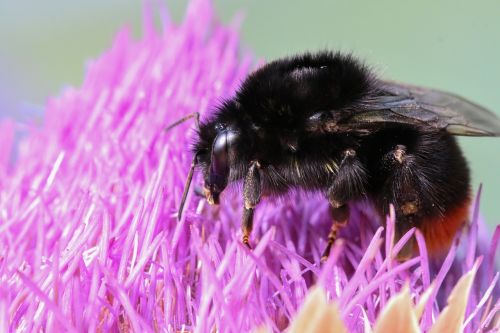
column 252, row 189
column 348, row 184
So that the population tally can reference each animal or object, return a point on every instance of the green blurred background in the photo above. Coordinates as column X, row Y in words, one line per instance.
column 453, row 45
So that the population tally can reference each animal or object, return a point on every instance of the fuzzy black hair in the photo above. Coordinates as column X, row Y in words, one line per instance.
column 273, row 134
column 284, row 92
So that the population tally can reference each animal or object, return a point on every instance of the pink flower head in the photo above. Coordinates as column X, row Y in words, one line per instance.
column 89, row 237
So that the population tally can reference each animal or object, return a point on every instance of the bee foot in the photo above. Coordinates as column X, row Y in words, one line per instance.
column 246, row 242
column 326, row 254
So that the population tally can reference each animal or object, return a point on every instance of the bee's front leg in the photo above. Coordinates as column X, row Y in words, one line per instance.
column 349, row 184
column 252, row 189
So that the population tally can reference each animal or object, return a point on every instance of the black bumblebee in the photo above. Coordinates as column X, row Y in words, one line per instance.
column 324, row 122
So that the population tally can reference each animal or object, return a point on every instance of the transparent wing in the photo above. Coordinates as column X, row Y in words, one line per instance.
column 407, row 104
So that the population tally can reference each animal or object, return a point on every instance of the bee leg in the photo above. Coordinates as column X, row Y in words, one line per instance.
column 340, row 217
column 251, row 196
column 401, row 190
column 349, row 184
column 247, row 226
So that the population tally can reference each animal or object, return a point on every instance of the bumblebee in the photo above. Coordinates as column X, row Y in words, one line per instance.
column 325, row 122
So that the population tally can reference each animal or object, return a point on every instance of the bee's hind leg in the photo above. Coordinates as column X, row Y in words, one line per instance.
column 349, row 184
column 252, row 189
column 403, row 191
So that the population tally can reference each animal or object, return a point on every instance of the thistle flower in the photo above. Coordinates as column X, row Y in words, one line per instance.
column 89, row 240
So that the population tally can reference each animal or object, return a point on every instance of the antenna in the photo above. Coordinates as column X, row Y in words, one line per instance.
column 187, row 185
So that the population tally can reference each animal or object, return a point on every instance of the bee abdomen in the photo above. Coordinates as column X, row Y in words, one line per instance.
column 440, row 230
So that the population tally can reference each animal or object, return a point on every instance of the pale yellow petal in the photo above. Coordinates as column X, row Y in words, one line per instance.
column 310, row 311
column 398, row 315
column 262, row 329
column 317, row 316
column 420, row 307
column 329, row 321
column 452, row 317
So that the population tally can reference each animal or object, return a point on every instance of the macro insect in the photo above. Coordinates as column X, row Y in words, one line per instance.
column 325, row 122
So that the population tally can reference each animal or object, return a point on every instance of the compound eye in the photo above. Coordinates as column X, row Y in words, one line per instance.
column 222, row 149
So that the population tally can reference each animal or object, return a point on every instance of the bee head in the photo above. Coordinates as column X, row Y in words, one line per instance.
column 217, row 149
